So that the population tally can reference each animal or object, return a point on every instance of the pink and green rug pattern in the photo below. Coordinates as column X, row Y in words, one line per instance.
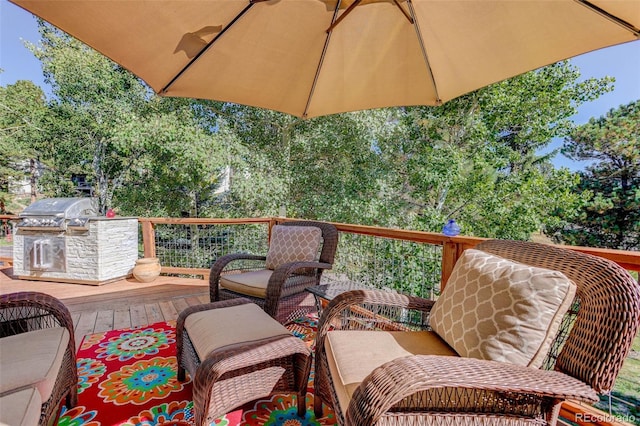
column 129, row 378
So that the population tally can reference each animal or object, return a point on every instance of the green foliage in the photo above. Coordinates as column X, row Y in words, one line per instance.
column 22, row 111
column 476, row 158
column 143, row 154
column 334, row 171
column 611, row 217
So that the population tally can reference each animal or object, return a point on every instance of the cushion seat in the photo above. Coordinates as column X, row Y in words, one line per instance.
column 21, row 408
column 219, row 328
column 253, row 283
column 353, row 355
column 46, row 349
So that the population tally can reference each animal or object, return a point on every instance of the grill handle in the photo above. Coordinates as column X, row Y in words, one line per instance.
column 42, row 254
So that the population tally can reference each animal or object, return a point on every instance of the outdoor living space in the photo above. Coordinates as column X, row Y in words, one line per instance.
column 360, row 260
column 320, row 213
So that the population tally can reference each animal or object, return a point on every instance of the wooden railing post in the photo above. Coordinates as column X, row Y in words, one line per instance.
column 148, row 237
column 449, row 258
column 451, row 252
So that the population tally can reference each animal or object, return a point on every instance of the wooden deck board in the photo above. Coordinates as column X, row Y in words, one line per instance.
column 121, row 319
column 138, row 316
column 86, row 325
column 154, row 314
column 193, row 301
column 120, row 304
column 180, row 305
column 75, row 317
column 169, row 311
column 104, row 321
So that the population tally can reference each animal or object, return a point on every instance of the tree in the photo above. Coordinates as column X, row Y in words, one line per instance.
column 22, row 112
column 142, row 153
column 476, row 158
column 611, row 218
column 323, row 168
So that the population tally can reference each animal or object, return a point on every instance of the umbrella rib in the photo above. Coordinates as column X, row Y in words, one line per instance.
column 211, row 43
column 424, row 51
column 322, row 56
column 404, row 12
column 353, row 6
column 621, row 22
column 344, row 15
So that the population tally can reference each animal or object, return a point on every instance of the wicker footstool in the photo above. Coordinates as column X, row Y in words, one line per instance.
column 235, row 353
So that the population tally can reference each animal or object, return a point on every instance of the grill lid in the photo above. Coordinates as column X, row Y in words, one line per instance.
column 62, row 207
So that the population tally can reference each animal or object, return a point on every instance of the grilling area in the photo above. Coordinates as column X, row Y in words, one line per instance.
column 66, row 240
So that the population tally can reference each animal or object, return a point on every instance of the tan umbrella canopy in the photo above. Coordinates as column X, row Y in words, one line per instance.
column 316, row 57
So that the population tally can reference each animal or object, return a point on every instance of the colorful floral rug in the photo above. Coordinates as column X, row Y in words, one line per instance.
column 129, row 377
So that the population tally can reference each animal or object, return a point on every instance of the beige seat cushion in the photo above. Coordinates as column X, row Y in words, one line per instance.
column 353, row 355
column 32, row 359
column 21, row 408
column 496, row 309
column 253, row 283
column 293, row 244
column 218, row 328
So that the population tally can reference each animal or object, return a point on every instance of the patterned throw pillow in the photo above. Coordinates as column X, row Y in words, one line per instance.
column 293, row 244
column 496, row 309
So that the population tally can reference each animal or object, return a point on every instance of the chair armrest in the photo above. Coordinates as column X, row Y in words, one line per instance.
column 512, row 387
column 373, row 299
column 221, row 263
column 27, row 311
column 278, row 278
column 281, row 273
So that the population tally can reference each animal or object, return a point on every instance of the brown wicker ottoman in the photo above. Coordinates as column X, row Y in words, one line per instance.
column 236, row 353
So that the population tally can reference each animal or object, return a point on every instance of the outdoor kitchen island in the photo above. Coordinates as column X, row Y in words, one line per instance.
column 64, row 240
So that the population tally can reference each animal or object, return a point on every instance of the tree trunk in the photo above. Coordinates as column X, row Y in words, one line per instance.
column 33, row 179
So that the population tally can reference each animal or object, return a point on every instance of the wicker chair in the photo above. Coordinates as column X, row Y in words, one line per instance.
column 592, row 342
column 280, row 292
column 28, row 312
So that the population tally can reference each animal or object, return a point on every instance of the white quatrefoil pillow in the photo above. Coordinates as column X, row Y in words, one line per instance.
column 496, row 309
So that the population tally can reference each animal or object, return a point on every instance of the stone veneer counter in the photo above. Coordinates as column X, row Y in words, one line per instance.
column 106, row 252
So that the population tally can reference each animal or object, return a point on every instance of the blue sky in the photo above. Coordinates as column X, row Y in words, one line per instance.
column 621, row 62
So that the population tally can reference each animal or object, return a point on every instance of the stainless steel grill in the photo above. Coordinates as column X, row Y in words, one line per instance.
column 44, row 224
column 55, row 214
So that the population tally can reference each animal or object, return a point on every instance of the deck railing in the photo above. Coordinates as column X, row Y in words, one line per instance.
column 413, row 262
column 6, row 240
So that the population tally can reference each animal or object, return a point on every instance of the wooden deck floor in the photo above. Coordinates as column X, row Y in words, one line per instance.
column 120, row 304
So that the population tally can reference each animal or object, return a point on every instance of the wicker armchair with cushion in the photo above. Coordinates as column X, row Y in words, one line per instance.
column 299, row 251
column 519, row 328
column 37, row 361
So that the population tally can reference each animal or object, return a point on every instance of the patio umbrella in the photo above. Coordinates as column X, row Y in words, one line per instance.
column 316, row 57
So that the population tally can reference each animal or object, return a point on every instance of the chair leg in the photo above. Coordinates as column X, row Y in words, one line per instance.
column 317, row 406
column 302, row 404
column 72, row 397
